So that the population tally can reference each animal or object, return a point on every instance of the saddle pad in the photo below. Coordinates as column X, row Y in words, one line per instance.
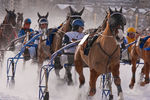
column 84, row 39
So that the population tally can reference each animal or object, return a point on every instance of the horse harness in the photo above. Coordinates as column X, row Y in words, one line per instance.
column 109, row 56
column 92, row 41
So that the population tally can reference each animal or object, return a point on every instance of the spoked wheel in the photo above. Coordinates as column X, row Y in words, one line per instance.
column 106, row 86
column 43, row 90
column 10, row 72
column 46, row 97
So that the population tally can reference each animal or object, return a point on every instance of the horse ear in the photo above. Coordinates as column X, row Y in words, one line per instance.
column 121, row 10
column 13, row 10
column 82, row 11
column 18, row 13
column 6, row 10
column 39, row 15
column 71, row 10
column 110, row 10
column 47, row 15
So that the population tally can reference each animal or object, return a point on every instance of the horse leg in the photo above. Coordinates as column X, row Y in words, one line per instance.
column 142, row 73
column 68, row 75
column 117, row 80
column 46, row 97
column 131, row 85
column 146, row 71
column 58, row 66
column 108, row 76
column 93, row 79
column 79, row 68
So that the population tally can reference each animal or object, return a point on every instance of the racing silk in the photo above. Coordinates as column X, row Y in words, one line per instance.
column 43, row 37
column 49, row 40
column 70, row 37
column 24, row 31
column 127, row 41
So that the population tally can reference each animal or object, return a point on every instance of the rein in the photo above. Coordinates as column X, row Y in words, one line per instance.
column 106, row 36
column 8, row 25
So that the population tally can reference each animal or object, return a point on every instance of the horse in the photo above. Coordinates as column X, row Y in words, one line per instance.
column 19, row 21
column 58, row 36
column 101, row 59
column 7, row 28
column 135, row 54
column 43, row 51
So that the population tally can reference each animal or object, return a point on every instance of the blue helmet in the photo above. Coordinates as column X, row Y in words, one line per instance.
column 78, row 22
column 27, row 21
column 43, row 21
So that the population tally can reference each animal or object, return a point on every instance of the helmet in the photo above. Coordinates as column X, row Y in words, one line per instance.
column 28, row 20
column 78, row 22
column 43, row 21
column 131, row 30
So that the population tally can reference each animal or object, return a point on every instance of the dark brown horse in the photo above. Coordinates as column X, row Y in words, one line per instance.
column 101, row 59
column 57, row 40
column 7, row 31
column 137, row 53
column 19, row 21
column 7, row 28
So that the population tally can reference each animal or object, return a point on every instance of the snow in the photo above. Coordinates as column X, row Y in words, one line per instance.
column 27, row 82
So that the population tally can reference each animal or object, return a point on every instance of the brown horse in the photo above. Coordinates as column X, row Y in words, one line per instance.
column 137, row 53
column 57, row 40
column 43, row 51
column 19, row 21
column 101, row 59
column 7, row 28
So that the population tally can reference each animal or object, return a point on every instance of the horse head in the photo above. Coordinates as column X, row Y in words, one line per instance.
column 20, row 18
column 116, row 22
column 74, row 14
column 10, row 17
column 46, row 16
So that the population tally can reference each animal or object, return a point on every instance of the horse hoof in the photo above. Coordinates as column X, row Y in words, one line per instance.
column 92, row 92
column 46, row 97
column 131, row 86
column 110, row 97
column 120, row 97
column 143, row 83
column 81, row 84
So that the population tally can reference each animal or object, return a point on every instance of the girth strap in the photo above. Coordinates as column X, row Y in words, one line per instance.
column 106, row 52
column 109, row 56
